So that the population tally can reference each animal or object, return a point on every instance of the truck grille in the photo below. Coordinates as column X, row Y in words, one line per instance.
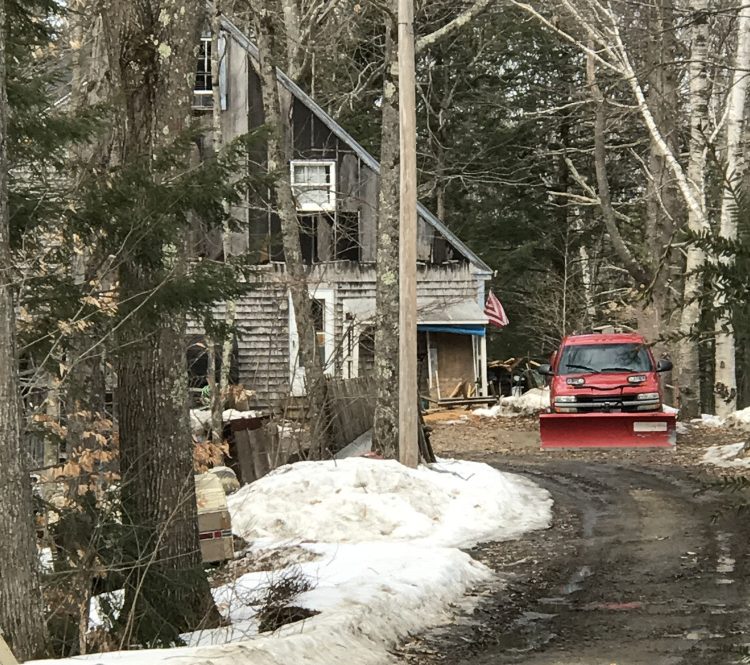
column 592, row 404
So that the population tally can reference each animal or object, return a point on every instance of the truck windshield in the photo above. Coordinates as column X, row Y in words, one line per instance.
column 582, row 358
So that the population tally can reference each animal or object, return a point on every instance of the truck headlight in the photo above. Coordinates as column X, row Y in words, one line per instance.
column 565, row 399
column 648, row 396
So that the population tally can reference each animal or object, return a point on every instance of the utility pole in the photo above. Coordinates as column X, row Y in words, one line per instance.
column 408, row 446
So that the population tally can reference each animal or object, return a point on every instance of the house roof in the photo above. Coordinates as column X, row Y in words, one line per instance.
column 349, row 140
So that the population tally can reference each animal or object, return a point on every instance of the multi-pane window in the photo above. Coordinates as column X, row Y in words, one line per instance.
column 203, row 81
column 314, row 185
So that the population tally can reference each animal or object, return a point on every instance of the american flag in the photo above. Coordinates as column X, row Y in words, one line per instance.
column 494, row 311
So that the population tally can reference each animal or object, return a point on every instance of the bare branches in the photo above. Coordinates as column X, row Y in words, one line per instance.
column 635, row 269
column 453, row 26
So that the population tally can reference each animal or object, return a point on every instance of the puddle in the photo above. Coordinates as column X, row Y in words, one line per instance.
column 724, row 562
column 575, row 583
column 529, row 618
column 614, row 607
column 702, row 634
column 531, row 632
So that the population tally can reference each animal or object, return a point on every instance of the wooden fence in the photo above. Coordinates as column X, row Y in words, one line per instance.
column 351, row 403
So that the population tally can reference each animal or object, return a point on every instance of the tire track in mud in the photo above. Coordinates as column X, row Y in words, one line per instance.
column 635, row 570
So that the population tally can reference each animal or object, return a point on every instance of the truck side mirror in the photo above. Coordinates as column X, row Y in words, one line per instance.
column 544, row 370
column 663, row 365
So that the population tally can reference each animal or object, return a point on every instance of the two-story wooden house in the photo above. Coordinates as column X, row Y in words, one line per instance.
column 335, row 182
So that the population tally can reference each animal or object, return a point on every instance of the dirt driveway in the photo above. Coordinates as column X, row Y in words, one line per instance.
column 645, row 563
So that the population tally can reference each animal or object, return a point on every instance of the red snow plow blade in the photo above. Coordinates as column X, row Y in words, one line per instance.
column 608, row 430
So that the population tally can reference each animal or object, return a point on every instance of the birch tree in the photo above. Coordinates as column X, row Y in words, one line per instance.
column 688, row 376
column 603, row 42
column 21, row 610
column 725, row 378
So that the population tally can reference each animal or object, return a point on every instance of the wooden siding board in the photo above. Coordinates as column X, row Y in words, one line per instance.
column 348, row 183
column 424, row 240
column 263, row 325
column 368, row 213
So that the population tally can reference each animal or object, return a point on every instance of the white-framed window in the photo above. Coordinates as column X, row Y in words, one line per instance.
column 203, row 80
column 314, row 184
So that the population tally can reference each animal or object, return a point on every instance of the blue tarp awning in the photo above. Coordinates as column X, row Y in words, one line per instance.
column 459, row 329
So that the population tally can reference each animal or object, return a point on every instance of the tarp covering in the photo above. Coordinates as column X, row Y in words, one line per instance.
column 479, row 331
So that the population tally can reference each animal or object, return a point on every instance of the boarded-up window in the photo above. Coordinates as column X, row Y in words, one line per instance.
column 325, row 237
column 347, row 236
column 308, row 238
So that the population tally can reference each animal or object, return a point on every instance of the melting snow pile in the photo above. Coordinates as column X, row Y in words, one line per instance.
column 451, row 504
column 740, row 418
column 708, row 420
column 529, row 404
column 729, row 456
column 386, row 563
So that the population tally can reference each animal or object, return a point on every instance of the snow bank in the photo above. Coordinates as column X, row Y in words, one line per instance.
column 740, row 419
column 708, row 420
column 386, row 539
column 728, row 456
column 452, row 503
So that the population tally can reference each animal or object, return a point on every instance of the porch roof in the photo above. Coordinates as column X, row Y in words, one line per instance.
column 432, row 311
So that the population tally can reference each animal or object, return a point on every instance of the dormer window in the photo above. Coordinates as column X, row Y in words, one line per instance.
column 314, row 185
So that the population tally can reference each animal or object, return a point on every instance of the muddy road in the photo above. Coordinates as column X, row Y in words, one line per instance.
column 643, row 565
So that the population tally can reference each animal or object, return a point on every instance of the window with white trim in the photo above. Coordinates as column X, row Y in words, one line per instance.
column 314, row 185
column 203, row 88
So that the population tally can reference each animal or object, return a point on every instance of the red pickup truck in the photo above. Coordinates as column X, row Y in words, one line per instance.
column 605, row 392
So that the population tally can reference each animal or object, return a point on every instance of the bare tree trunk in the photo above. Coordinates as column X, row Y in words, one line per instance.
column 151, row 45
column 385, row 432
column 230, row 313
column 21, row 610
column 637, row 271
column 688, row 374
column 663, row 209
column 725, row 380
column 278, row 164
column 84, row 382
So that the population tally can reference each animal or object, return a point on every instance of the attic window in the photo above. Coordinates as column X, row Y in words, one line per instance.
column 314, row 185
